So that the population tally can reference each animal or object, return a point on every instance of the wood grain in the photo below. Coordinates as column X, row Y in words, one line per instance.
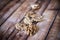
column 3, row 3
column 54, row 33
column 7, row 7
column 9, row 10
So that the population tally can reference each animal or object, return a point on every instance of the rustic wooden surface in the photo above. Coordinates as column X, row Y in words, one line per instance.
column 15, row 11
column 4, row 3
column 54, row 33
column 9, row 10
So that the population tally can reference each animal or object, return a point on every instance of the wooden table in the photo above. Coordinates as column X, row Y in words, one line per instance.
column 14, row 11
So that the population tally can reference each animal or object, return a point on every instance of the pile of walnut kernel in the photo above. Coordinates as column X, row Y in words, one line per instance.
column 28, row 29
column 30, row 21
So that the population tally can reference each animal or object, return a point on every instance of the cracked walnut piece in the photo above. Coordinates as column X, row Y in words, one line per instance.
column 28, row 17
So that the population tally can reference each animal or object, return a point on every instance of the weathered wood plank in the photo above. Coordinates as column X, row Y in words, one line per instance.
column 17, row 16
column 45, row 25
column 19, row 36
column 54, row 33
column 3, row 3
column 9, row 9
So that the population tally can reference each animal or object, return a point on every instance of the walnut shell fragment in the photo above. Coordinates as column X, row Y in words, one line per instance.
column 35, row 6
